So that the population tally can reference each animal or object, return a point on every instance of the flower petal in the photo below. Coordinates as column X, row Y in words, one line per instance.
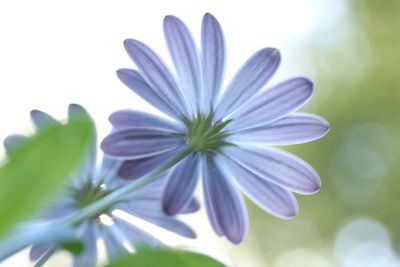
column 192, row 207
column 296, row 128
column 42, row 121
column 123, row 119
column 113, row 245
column 186, row 59
column 139, row 143
column 276, row 166
column 156, row 74
column 181, row 183
column 14, row 141
column 225, row 205
column 135, row 235
column 170, row 223
column 76, row 111
column 272, row 198
column 272, row 104
column 38, row 250
column 213, row 56
column 89, row 256
column 136, row 168
column 134, row 81
column 248, row 80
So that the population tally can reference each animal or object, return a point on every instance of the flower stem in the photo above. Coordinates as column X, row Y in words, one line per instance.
column 108, row 200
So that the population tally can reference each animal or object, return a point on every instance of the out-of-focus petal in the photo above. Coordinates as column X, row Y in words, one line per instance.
column 295, row 128
column 272, row 104
column 38, row 250
column 136, row 168
column 139, row 143
column 248, row 81
column 181, row 183
column 156, row 74
column 137, row 119
column 89, row 255
column 225, row 205
column 108, row 171
column 42, row 120
column 186, row 59
column 276, row 166
column 135, row 235
column 76, row 111
column 167, row 222
column 13, row 142
column 268, row 196
column 113, row 244
column 193, row 206
column 213, row 56
column 134, row 81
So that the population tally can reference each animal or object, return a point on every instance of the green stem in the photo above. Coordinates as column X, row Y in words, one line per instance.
column 45, row 257
column 108, row 200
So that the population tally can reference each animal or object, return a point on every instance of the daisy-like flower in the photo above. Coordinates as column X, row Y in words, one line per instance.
column 91, row 183
column 229, row 133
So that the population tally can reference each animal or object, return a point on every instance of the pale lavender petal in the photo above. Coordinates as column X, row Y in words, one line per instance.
column 156, row 74
column 89, row 256
column 167, row 222
column 186, row 59
column 38, row 250
column 295, row 128
column 152, row 189
column 148, row 205
column 227, row 209
column 13, row 142
column 172, row 224
column 194, row 206
column 272, row 198
column 139, row 143
column 134, row 81
column 213, row 56
column 272, row 104
column 137, row 119
column 135, row 235
column 181, row 183
column 42, row 120
column 108, row 171
column 136, row 168
column 276, row 166
column 113, row 245
column 248, row 81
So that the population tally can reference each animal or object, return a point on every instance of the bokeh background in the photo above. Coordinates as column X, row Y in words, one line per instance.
column 55, row 53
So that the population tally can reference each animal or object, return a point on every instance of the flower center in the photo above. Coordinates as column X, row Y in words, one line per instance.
column 89, row 193
column 204, row 135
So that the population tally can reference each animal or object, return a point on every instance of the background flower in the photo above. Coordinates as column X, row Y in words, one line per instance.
column 90, row 183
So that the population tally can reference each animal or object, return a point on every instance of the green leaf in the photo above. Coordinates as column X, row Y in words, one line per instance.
column 74, row 246
column 38, row 168
column 147, row 257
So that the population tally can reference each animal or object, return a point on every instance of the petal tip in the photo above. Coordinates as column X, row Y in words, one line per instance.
column 235, row 238
column 168, row 208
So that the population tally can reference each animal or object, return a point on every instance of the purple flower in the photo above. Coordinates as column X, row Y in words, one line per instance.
column 229, row 132
column 89, row 184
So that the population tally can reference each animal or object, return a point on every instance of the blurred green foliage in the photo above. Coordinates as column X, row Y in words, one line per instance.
column 150, row 257
column 36, row 170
